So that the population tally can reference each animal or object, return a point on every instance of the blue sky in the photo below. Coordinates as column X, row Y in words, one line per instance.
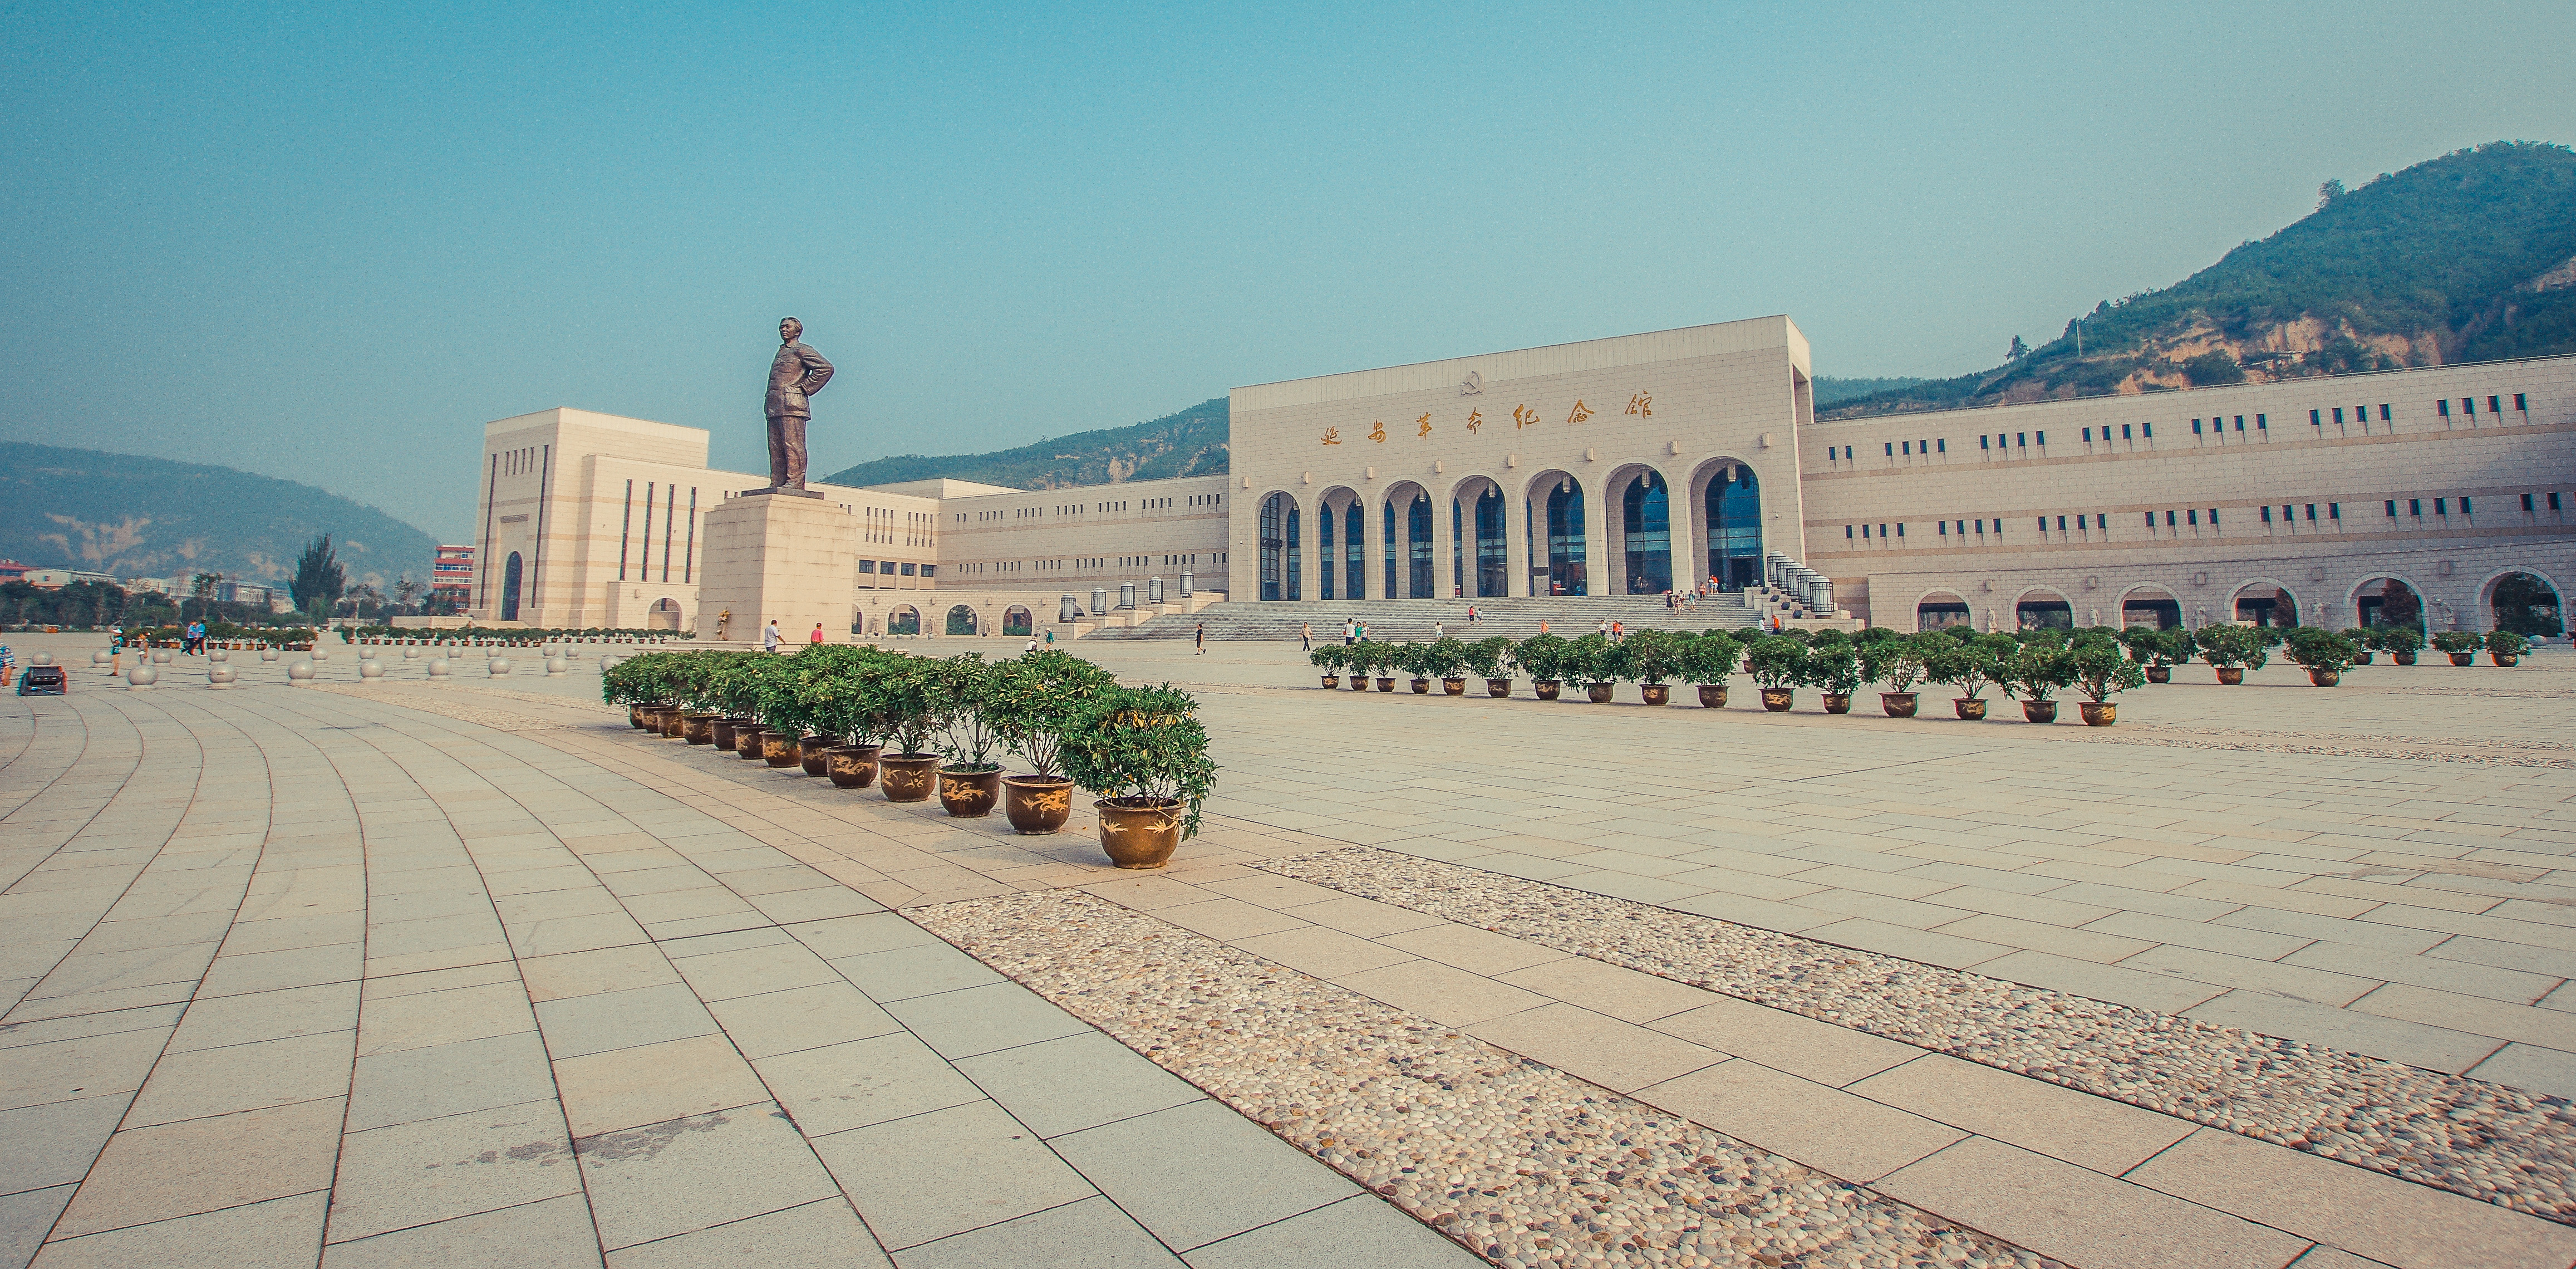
column 328, row 242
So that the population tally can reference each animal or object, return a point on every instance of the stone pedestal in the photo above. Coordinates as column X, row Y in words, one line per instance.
column 777, row 557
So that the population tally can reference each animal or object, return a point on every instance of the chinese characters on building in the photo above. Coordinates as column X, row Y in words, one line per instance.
column 1641, row 405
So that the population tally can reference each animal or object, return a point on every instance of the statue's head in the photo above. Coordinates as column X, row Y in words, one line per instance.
column 788, row 329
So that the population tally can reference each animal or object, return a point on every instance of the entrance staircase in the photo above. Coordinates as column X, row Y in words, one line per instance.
column 1392, row 620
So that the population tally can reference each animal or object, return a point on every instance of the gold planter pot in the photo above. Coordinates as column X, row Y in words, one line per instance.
column 1332, row 681
column 1454, row 687
column 2098, row 713
column 1713, row 695
column 2039, row 711
column 1142, row 835
column 2505, row 660
column 2324, row 678
column 1599, row 692
column 1837, row 702
column 1779, row 699
column 1498, row 688
column 908, row 777
column 779, row 748
column 1386, row 685
column 2464, row 658
column 1898, row 704
column 810, row 751
column 635, row 717
column 1655, row 693
column 698, row 729
column 969, row 795
column 750, row 742
column 1359, row 682
column 1972, row 709
column 2231, row 675
column 851, row 766
column 1034, row 806
column 1422, row 687
column 1546, row 691
column 2160, row 674
column 720, row 733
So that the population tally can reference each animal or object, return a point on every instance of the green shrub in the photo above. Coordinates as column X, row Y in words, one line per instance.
column 1444, row 658
column 1970, row 665
column 2037, row 670
column 1491, row 658
column 1833, row 668
column 2396, row 640
column 2457, row 641
column 1648, row 656
column 1037, row 697
column 2101, row 672
column 1777, row 663
column 2317, row 649
column 1589, row 659
column 1543, row 656
column 1330, row 657
column 1896, row 661
column 1142, row 745
column 1711, row 657
column 960, row 690
column 2507, row 643
column 2227, row 646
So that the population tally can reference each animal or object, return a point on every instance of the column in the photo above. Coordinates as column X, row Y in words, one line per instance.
column 1683, row 512
column 1373, row 542
column 1443, row 538
column 1516, row 552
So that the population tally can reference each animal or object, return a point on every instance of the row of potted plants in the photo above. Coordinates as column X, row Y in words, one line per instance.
column 2034, row 665
column 911, row 724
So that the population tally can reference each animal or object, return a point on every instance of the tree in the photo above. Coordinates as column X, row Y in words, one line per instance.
column 404, row 589
column 202, row 588
column 319, row 580
column 2328, row 192
column 2018, row 350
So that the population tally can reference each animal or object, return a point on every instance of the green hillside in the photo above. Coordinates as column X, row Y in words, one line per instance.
column 152, row 517
column 2467, row 257
column 1188, row 443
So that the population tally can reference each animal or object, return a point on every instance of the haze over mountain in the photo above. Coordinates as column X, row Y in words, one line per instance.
column 152, row 517
column 2467, row 257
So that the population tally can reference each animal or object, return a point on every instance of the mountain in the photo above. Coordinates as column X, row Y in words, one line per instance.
column 2467, row 257
column 1189, row 443
column 1828, row 390
column 151, row 517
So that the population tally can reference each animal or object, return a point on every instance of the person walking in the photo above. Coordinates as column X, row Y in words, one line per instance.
column 769, row 636
column 1050, row 638
column 1350, row 632
column 1305, row 635
column 817, row 636
column 1033, row 644
column 1439, row 631
column 1542, row 625
column 1199, row 639
column 8, row 664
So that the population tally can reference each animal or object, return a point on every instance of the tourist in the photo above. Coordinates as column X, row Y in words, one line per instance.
column 1542, row 625
column 8, row 664
column 1050, row 638
column 769, row 636
column 1618, row 631
column 116, row 650
column 1350, row 633
column 1199, row 639
column 1033, row 642
column 1305, row 635
column 817, row 636
column 1439, row 630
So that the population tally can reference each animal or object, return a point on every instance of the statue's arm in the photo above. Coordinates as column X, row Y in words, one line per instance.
column 817, row 372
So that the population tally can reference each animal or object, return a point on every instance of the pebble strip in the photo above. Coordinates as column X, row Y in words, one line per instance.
column 1518, row 1161
column 2487, row 1141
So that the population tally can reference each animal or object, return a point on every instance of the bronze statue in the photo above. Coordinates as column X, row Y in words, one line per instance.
column 796, row 373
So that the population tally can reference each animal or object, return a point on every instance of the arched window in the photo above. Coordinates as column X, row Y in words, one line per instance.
column 1940, row 612
column 1646, row 523
column 1565, row 547
column 1417, row 540
column 2386, row 601
column 1017, row 621
column 2526, row 605
column 1324, row 553
column 904, row 621
column 2044, row 610
column 2267, row 606
column 665, row 615
column 1272, row 510
column 1493, row 555
column 961, row 620
column 1296, row 573
column 2154, row 609
column 1355, row 564
column 510, row 588
column 1734, row 511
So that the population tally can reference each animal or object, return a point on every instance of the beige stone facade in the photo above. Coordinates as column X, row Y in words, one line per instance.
column 1637, row 463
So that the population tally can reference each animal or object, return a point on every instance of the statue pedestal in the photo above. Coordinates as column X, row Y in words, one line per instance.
column 777, row 557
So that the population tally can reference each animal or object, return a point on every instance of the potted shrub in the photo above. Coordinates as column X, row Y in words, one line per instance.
column 1384, row 659
column 2037, row 670
column 1445, row 659
column 1650, row 658
column 785, row 717
column 907, row 712
column 1358, row 660
column 1141, row 750
column 2231, row 650
column 1330, row 658
column 1544, row 657
column 1708, row 660
column 970, row 782
column 1896, row 661
column 2401, row 643
column 2366, row 641
column 1778, row 666
column 1835, row 668
column 2102, row 673
column 1969, row 664
column 2461, row 645
column 2324, row 654
column 841, row 707
column 2505, row 647
column 633, row 684
column 1036, row 698
column 1591, row 660
column 1492, row 660
column 2154, row 649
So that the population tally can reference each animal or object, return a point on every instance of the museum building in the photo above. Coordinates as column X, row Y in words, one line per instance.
column 1645, row 463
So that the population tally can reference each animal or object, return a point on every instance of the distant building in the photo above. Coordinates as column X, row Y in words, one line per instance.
column 257, row 594
column 12, row 571
column 451, row 575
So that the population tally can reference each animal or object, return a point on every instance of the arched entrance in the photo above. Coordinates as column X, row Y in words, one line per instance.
column 663, row 615
column 1325, row 560
column 1018, row 621
column 1274, row 543
column 2044, row 610
column 2267, row 604
column 2526, row 604
column 2151, row 606
column 1409, row 573
column 510, row 588
column 1493, row 549
column 1355, row 550
column 961, row 620
column 1645, row 522
column 2386, row 601
column 1733, row 506
column 1565, row 549
column 904, row 620
column 1939, row 611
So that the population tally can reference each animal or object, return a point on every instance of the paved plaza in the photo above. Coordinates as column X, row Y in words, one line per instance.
column 472, row 973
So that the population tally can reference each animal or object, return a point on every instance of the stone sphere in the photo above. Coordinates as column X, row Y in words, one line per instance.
column 141, row 677
column 268, row 652
column 554, row 665
column 320, row 653
column 411, row 654
column 160, row 656
column 101, row 657
column 41, row 658
column 218, row 655
column 438, row 667
column 499, row 667
column 221, row 676
column 371, row 668
column 299, row 673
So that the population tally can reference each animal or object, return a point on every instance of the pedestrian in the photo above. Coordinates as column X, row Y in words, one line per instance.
column 1350, row 633
column 1200, row 639
column 1305, row 636
column 116, row 650
column 1618, row 631
column 817, row 636
column 8, row 664
column 769, row 636
column 1050, row 638
column 1033, row 643
column 1542, row 625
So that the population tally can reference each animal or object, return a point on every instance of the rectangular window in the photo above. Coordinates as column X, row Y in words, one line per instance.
column 1882, row 530
column 1981, row 525
column 2061, row 523
column 2261, row 424
column 2103, row 522
column 2392, row 508
column 2024, row 438
column 2312, row 513
column 2267, row 513
column 1900, row 529
column 2520, row 406
column 1847, row 532
column 2043, row 439
column 2240, row 422
column 2441, row 506
column 867, row 566
column 2553, row 502
column 930, row 570
column 1909, row 449
column 2415, row 507
column 2464, row 508
column 2147, row 430
column 2169, row 519
column 2124, row 432
column 2043, row 524
column 907, row 570
column 2088, row 436
column 1864, row 530
column 1944, row 443
column 2193, row 517
column 2195, row 427
column 2443, row 407
column 2526, row 502
column 2383, row 412
column 2469, row 406
column 2314, row 421
column 2213, row 517
column 2151, row 519
column 1982, row 441
column 1944, row 527
column 2338, row 416
column 2493, row 407
column 2334, row 511
column 1891, row 449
